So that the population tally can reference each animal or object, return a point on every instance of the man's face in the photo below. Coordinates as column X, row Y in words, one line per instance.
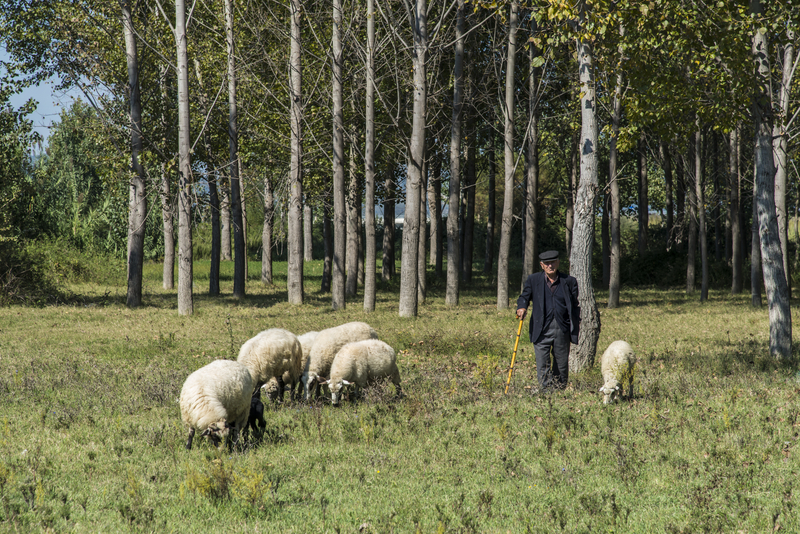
column 549, row 267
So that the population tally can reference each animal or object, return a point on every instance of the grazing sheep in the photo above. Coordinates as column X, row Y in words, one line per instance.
column 216, row 400
column 270, row 354
column 271, row 388
column 617, row 367
column 326, row 345
column 361, row 363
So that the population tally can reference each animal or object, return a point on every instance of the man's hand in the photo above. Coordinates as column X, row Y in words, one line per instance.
column 521, row 313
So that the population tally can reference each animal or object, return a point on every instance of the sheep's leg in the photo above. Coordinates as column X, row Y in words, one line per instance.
column 189, row 441
column 281, row 387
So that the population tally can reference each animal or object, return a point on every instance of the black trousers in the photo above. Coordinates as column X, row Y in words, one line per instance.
column 556, row 339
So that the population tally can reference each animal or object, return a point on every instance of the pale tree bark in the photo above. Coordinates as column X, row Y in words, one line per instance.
column 779, row 150
column 387, row 259
column 531, row 171
column 780, row 319
column 351, row 261
column 701, row 211
column 224, row 186
column 755, row 251
column 213, row 194
column 339, row 209
column 294, row 269
column 691, row 200
column 369, row 165
column 643, row 202
column 614, row 278
column 167, row 211
column 185, row 263
column 239, row 253
column 266, row 232
column 582, row 355
column 408, row 265
column 453, row 237
column 569, row 212
column 422, row 286
column 488, row 260
column 327, row 239
column 508, row 194
column 468, row 195
column 137, row 199
column 737, row 257
column 308, row 231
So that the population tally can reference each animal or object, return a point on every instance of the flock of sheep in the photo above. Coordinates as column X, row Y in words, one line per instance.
column 223, row 398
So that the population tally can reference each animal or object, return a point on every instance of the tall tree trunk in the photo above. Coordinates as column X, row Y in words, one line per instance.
column 666, row 157
column 701, row 211
column 779, row 150
column 408, row 268
column 360, row 237
column 266, row 232
column 327, row 238
column 308, row 232
column 691, row 193
column 614, row 278
column 643, row 203
column 294, row 268
column 470, row 182
column 339, row 209
column 422, row 287
column 167, row 210
column 224, row 187
column 488, row 260
column 137, row 199
column 508, row 194
column 569, row 214
column 387, row 268
column 719, row 237
column 185, row 263
column 435, row 205
column 780, row 319
column 605, row 238
column 755, row 255
column 582, row 355
column 369, row 164
column 453, row 235
column 680, row 203
column 351, row 261
column 239, row 254
column 737, row 256
column 531, row 170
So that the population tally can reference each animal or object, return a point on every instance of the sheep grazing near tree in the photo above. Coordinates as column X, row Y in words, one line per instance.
column 617, row 366
column 362, row 363
column 215, row 399
column 325, row 347
column 271, row 354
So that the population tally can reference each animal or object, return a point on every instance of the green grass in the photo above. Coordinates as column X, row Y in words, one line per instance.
column 91, row 438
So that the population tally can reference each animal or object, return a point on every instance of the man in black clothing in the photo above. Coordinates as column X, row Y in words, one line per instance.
column 555, row 319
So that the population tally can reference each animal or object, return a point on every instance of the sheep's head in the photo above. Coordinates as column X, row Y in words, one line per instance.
column 611, row 391
column 336, row 387
column 217, row 432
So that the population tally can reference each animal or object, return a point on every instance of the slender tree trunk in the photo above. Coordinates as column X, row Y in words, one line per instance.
column 719, row 237
column 582, row 355
column 569, row 215
column 240, row 255
column 185, row 263
column 137, row 200
column 780, row 319
column 369, row 164
column 614, row 278
column 169, row 230
column 360, row 237
column 531, row 170
column 508, row 194
column 488, row 260
column 266, row 232
column 680, row 203
column 423, row 232
column 470, row 182
column 666, row 157
column 691, row 192
column 408, row 268
column 327, row 238
column 387, row 269
column 435, row 204
column 453, row 235
column 308, row 232
column 224, row 187
column 737, row 257
column 779, row 150
column 294, row 269
column 605, row 238
column 339, row 209
column 643, row 202
column 755, row 256
column 351, row 261
column 701, row 211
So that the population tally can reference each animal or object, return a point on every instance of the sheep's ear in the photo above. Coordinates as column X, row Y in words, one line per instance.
column 617, row 388
column 602, row 389
column 346, row 383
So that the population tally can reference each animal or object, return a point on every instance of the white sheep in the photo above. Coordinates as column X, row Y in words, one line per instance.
column 326, row 345
column 270, row 354
column 617, row 366
column 361, row 363
column 216, row 400
column 271, row 388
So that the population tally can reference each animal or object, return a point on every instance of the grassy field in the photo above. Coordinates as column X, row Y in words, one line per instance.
column 91, row 438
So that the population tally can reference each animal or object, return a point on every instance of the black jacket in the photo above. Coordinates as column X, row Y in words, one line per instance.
column 533, row 292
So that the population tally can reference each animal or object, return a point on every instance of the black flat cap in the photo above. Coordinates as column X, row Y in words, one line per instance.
column 550, row 255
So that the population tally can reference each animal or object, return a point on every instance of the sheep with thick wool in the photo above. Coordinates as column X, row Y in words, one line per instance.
column 362, row 363
column 271, row 388
column 325, row 347
column 617, row 366
column 270, row 354
column 215, row 399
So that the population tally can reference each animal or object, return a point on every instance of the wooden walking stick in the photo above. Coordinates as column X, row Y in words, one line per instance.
column 514, row 356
